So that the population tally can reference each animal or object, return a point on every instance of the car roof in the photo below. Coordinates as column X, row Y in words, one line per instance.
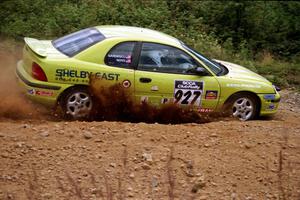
column 137, row 33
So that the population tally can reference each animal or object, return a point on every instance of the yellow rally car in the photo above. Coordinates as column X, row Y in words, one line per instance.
column 155, row 67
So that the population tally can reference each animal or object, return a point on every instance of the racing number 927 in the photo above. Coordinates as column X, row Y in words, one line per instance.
column 188, row 92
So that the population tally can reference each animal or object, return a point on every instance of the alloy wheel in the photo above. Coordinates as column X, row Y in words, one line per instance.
column 243, row 108
column 79, row 104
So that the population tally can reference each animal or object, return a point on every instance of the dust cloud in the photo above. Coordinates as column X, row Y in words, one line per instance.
column 115, row 103
column 13, row 104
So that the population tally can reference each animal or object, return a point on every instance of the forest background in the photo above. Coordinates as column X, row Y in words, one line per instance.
column 261, row 35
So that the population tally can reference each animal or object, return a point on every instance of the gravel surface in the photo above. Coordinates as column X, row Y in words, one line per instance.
column 260, row 159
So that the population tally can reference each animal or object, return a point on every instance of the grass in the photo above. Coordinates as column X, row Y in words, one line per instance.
column 171, row 178
column 105, row 189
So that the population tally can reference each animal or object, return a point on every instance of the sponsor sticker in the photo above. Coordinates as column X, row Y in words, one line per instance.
column 242, row 85
column 69, row 75
column 117, row 59
column 154, row 88
column 188, row 92
column 40, row 92
column 164, row 100
column 126, row 83
column 31, row 92
column 271, row 106
column 44, row 93
column 205, row 110
column 269, row 96
column 144, row 99
column 211, row 94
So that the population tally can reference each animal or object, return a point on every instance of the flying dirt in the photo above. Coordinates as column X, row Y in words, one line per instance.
column 44, row 157
column 13, row 103
column 116, row 104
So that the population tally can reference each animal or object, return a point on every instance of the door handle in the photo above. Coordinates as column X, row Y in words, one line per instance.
column 145, row 80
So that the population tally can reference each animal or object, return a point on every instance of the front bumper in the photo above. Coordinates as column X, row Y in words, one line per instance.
column 38, row 91
column 269, row 103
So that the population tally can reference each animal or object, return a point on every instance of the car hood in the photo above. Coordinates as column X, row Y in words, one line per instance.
column 242, row 73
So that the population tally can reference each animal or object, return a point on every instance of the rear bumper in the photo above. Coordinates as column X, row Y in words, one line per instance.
column 269, row 103
column 38, row 91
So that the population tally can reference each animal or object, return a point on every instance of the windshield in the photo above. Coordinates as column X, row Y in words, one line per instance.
column 213, row 65
column 74, row 43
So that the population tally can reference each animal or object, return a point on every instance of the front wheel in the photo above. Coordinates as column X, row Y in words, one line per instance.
column 243, row 107
column 77, row 104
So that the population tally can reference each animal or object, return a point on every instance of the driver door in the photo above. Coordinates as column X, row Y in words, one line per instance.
column 164, row 75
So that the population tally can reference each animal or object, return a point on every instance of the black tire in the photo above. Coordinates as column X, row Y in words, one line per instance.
column 76, row 103
column 243, row 106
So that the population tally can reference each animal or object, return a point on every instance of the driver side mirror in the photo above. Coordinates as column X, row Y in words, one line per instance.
column 201, row 71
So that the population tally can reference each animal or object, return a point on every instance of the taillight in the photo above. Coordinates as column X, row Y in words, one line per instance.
column 38, row 73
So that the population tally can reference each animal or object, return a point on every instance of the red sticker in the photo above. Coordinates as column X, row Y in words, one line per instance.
column 44, row 93
column 211, row 94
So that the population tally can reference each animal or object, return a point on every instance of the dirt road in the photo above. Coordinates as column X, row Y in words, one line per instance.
column 225, row 159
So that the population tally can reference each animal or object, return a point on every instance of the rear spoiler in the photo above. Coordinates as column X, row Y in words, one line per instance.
column 36, row 46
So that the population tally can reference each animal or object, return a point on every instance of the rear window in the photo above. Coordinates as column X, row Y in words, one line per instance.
column 74, row 43
column 121, row 55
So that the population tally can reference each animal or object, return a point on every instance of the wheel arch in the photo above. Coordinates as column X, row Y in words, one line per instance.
column 239, row 93
column 67, row 90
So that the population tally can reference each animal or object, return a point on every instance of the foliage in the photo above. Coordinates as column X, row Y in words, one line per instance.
column 246, row 32
column 262, row 25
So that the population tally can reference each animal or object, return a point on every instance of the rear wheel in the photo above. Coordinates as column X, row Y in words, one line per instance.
column 77, row 103
column 243, row 106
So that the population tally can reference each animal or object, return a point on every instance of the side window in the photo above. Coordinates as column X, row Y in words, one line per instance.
column 163, row 58
column 120, row 55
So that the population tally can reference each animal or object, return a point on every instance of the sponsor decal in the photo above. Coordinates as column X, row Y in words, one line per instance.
column 144, row 99
column 165, row 100
column 44, row 93
column 126, row 83
column 31, row 92
column 69, row 75
column 40, row 92
column 72, row 80
column 154, row 88
column 185, row 84
column 205, row 110
column 211, row 94
column 112, row 58
column 271, row 106
column 188, row 92
column 269, row 96
column 242, row 85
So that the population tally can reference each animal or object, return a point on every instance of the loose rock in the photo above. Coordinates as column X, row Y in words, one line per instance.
column 199, row 184
column 147, row 157
column 146, row 166
column 87, row 135
column 44, row 134
column 131, row 175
